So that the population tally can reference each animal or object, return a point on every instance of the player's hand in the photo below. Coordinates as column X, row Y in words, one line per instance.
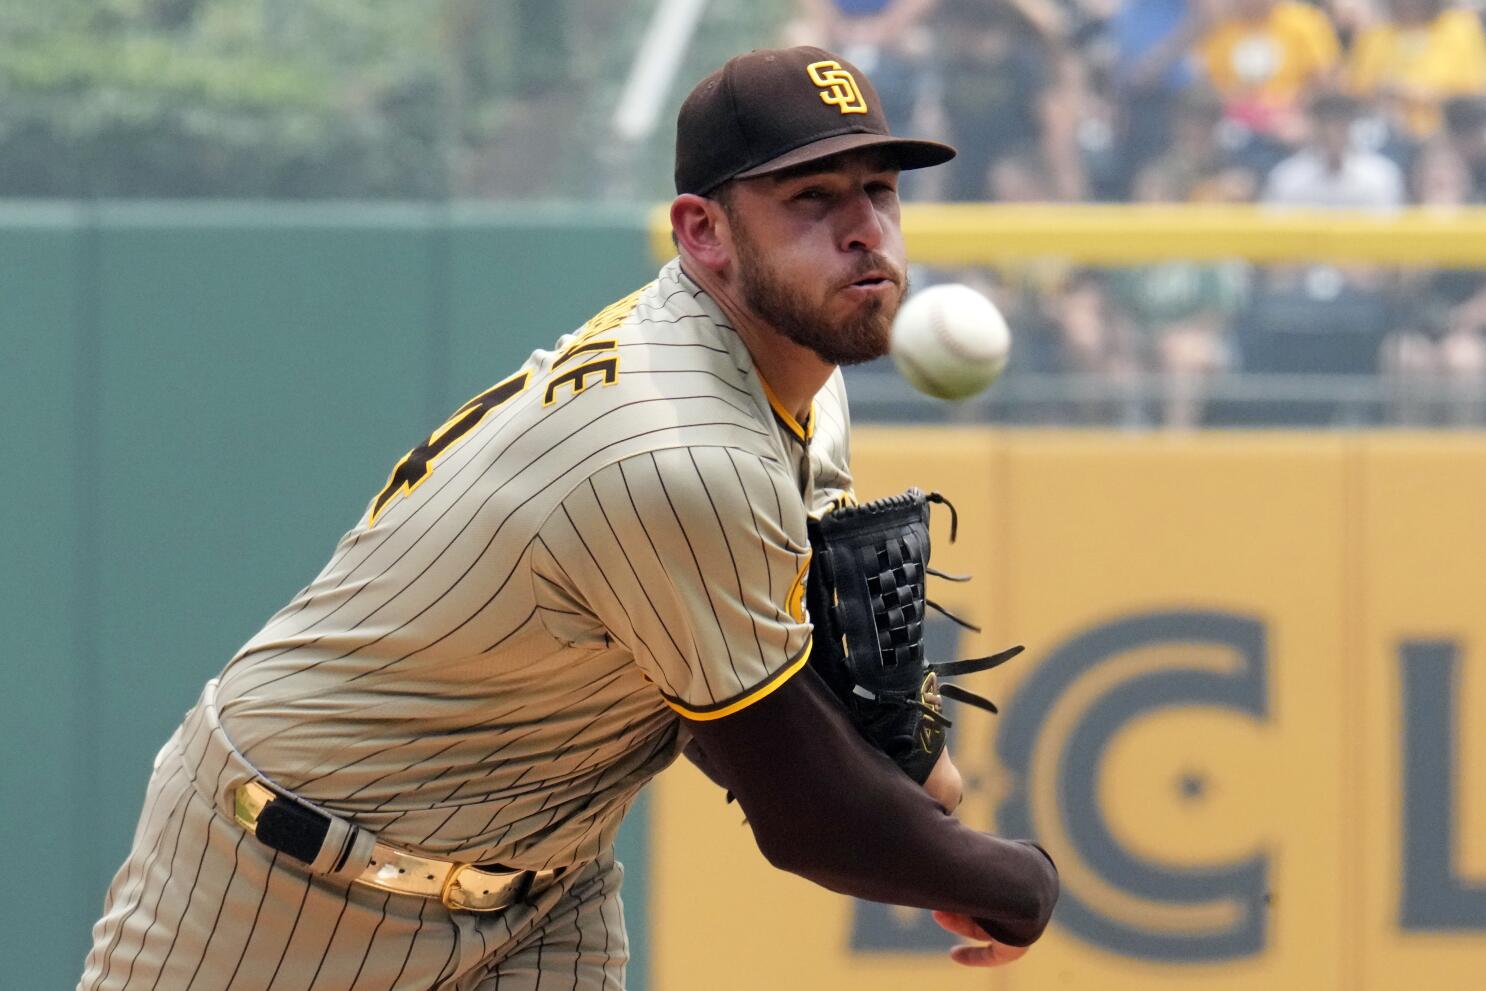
column 987, row 952
column 944, row 784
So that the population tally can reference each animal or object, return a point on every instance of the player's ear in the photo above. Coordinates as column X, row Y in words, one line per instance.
column 700, row 227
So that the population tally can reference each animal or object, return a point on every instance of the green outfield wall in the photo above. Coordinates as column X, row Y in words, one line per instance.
column 198, row 400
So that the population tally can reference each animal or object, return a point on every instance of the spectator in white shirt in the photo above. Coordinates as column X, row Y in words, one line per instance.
column 1332, row 171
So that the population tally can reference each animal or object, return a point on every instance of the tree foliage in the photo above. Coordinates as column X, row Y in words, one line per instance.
column 237, row 98
column 399, row 99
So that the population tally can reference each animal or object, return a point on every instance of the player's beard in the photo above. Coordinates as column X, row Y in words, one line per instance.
column 786, row 307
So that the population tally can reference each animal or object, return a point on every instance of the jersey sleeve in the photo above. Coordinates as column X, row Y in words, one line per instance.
column 694, row 559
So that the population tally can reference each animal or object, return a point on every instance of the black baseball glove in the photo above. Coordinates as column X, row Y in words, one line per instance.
column 866, row 599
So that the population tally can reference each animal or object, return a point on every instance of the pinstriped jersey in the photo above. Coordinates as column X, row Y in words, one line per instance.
column 492, row 663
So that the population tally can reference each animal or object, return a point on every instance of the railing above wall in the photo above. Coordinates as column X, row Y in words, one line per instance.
column 945, row 234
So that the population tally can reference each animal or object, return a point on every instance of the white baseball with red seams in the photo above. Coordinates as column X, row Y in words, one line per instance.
column 949, row 341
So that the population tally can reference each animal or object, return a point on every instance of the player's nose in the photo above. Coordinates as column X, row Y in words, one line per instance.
column 861, row 225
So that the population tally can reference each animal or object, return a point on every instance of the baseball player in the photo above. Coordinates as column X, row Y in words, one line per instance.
column 412, row 776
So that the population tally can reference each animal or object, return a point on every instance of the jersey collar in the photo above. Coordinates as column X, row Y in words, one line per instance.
column 802, row 432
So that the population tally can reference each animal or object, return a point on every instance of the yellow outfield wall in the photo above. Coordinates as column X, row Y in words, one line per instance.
column 1248, row 723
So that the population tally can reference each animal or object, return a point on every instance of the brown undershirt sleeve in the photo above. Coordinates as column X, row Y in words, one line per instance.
column 824, row 804
column 694, row 753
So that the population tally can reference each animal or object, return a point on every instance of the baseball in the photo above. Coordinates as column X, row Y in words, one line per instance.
column 949, row 341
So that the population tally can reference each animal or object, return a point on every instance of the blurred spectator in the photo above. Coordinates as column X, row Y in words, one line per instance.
column 1324, row 318
column 1197, row 165
column 1465, row 130
column 1010, row 88
column 1349, row 17
column 1436, row 362
column 1067, row 310
column 1331, row 171
column 1180, row 313
column 1435, row 359
column 1020, row 177
column 1266, row 57
column 1091, row 340
column 1150, row 41
column 1439, row 177
column 1427, row 52
column 886, row 39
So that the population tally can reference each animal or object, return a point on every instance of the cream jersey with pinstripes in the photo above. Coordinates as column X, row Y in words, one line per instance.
column 493, row 661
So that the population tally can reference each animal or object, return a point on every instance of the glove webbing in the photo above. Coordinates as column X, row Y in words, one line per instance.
column 896, row 584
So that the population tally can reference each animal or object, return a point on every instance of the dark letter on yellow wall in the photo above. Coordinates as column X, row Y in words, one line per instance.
column 1054, row 737
column 1435, row 897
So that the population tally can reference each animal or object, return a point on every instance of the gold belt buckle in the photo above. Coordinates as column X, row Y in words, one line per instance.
column 470, row 889
column 248, row 801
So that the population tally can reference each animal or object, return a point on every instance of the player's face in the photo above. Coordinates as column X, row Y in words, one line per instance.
column 819, row 254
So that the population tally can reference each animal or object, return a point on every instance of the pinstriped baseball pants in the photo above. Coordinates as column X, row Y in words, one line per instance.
column 199, row 905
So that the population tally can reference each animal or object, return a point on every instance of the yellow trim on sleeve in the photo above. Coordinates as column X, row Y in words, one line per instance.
column 794, row 600
column 762, row 691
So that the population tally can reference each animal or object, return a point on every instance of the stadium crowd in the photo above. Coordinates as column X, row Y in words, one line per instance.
column 1363, row 104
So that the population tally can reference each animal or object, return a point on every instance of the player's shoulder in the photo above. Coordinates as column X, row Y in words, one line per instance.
column 658, row 369
column 672, row 312
column 668, row 356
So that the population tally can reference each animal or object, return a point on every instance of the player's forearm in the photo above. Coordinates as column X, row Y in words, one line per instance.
column 1009, row 887
column 878, row 836
column 825, row 805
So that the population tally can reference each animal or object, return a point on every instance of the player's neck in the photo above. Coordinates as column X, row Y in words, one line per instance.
column 793, row 372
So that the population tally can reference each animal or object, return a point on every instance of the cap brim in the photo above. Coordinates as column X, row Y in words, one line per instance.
column 910, row 153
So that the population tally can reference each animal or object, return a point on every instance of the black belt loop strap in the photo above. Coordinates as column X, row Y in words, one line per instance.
column 294, row 829
column 523, row 887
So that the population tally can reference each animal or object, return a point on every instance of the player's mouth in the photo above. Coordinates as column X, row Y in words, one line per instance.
column 872, row 283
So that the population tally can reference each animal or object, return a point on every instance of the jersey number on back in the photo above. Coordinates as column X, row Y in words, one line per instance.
column 417, row 463
column 600, row 364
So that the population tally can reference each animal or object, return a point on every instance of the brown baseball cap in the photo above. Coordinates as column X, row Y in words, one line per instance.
column 775, row 108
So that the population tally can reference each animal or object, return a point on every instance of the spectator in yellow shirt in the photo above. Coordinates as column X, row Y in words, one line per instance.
column 1266, row 57
column 1428, row 52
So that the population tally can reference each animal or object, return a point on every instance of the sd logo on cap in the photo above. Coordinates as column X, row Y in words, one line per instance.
column 838, row 87
column 771, row 109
